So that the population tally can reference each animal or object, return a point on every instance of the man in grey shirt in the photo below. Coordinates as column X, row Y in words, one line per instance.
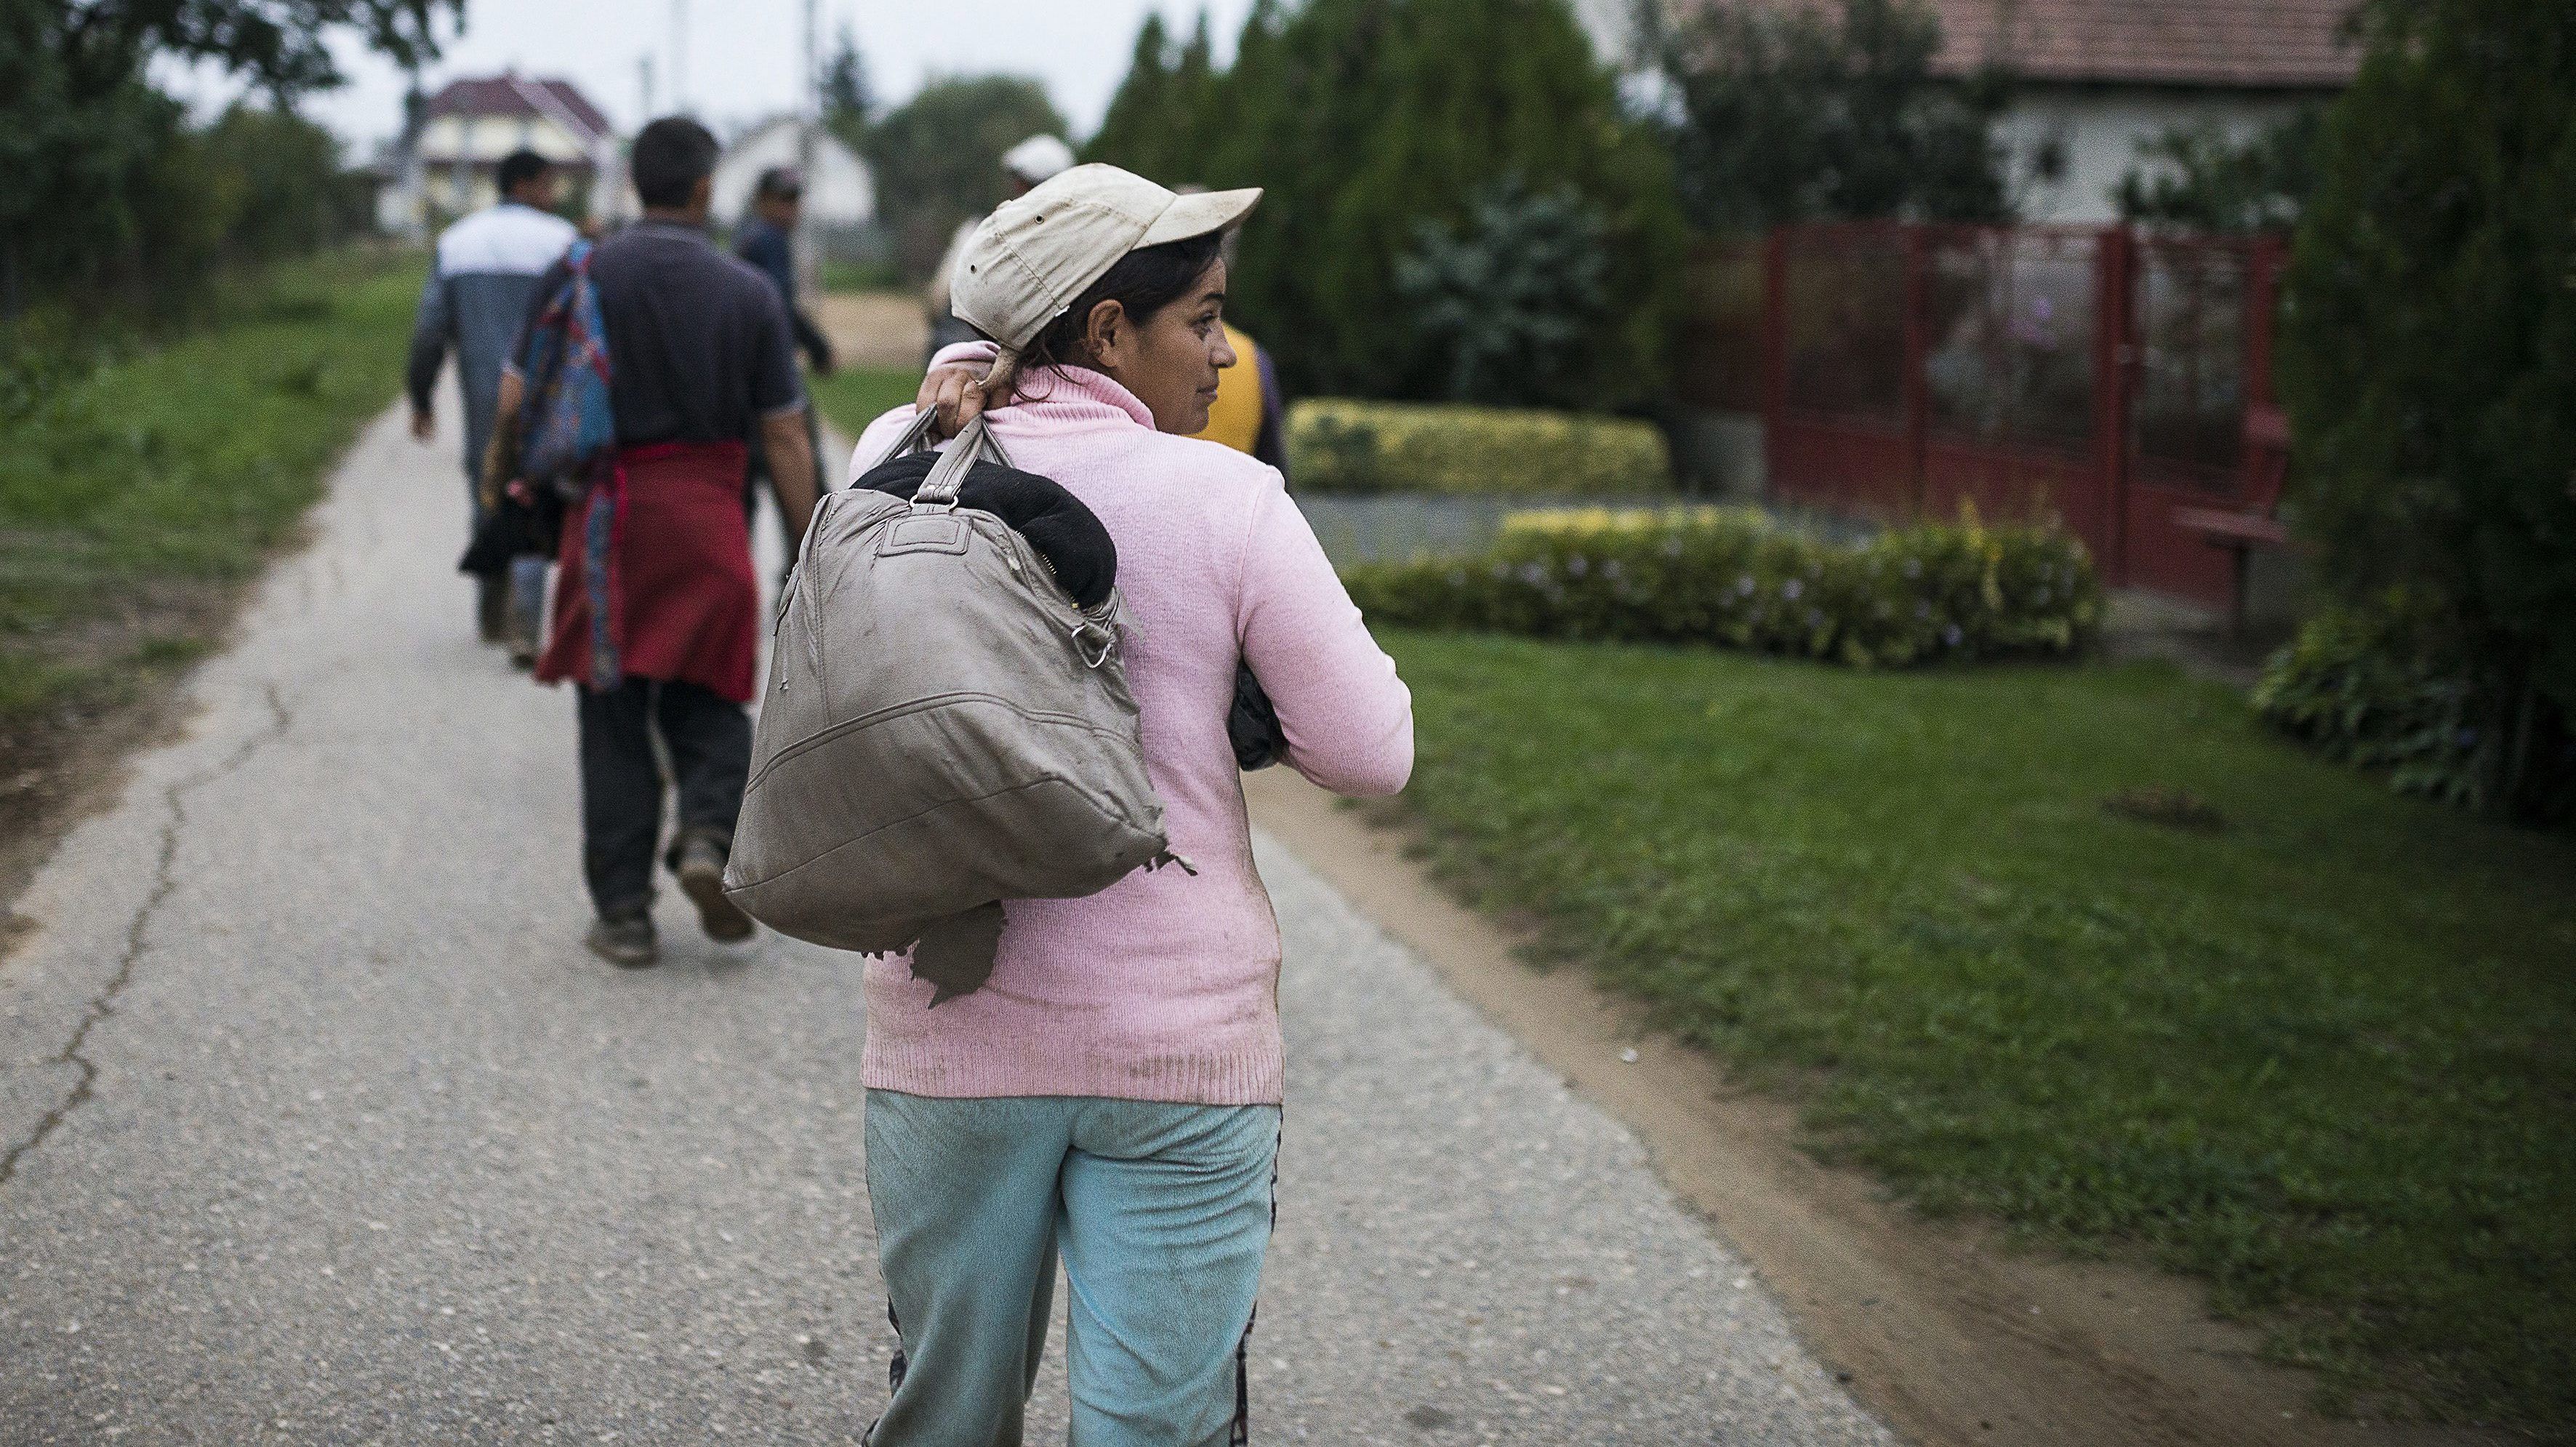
column 478, row 295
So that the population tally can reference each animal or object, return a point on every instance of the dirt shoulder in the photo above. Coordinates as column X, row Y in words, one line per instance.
column 1947, row 1334
column 873, row 328
column 65, row 762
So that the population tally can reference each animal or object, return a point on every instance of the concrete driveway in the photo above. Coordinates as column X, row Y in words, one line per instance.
column 320, row 1126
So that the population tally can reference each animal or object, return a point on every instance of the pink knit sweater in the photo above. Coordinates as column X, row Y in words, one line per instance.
column 1165, row 985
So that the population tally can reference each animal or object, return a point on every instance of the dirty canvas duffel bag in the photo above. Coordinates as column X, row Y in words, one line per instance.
column 943, row 729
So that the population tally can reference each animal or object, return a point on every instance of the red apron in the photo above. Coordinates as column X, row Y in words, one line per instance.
column 657, row 577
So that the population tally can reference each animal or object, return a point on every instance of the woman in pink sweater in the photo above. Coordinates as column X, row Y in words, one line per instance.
column 1112, row 1093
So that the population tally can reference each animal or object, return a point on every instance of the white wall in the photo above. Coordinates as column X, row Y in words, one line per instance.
column 489, row 138
column 2096, row 132
column 839, row 192
column 479, row 143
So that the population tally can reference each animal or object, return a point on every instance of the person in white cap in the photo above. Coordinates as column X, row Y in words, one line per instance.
column 1031, row 162
column 1110, row 1098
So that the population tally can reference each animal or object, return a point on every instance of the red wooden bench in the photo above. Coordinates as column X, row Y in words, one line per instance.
column 2252, row 523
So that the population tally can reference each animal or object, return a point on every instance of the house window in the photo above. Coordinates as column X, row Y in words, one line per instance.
column 2048, row 158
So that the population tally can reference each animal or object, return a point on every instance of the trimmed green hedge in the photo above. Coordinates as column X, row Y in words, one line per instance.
column 1733, row 578
column 1339, row 445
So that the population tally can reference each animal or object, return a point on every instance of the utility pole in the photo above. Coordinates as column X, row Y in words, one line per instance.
column 679, row 57
column 808, row 249
column 644, row 82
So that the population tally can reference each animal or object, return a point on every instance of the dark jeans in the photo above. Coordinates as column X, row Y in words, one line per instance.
column 709, row 739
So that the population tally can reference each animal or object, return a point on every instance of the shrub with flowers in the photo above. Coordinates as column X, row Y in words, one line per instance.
column 1336, row 444
column 1733, row 578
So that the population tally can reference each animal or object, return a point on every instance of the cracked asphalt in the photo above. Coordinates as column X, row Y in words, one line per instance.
column 318, row 1125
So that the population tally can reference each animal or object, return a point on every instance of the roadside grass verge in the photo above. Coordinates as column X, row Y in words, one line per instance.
column 2083, row 949
column 853, row 397
column 136, row 496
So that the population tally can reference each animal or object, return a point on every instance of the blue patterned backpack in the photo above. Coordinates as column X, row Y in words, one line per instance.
column 568, row 429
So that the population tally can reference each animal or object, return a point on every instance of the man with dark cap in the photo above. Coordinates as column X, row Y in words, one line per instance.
column 767, row 239
column 487, row 268
column 657, row 611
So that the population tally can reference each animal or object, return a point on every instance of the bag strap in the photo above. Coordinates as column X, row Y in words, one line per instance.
column 938, row 492
column 912, row 440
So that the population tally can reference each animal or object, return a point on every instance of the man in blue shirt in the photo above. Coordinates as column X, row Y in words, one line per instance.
column 767, row 239
column 700, row 363
column 479, row 292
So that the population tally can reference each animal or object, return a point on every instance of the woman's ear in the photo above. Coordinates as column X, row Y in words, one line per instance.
column 1104, row 333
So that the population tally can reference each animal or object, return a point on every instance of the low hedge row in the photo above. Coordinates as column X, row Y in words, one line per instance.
column 1344, row 446
column 1732, row 577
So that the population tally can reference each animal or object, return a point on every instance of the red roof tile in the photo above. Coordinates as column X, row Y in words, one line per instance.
column 2263, row 44
column 2295, row 44
column 511, row 94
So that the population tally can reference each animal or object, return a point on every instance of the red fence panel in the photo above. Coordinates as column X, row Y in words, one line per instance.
column 2011, row 391
column 1838, row 402
column 2201, row 317
column 2086, row 374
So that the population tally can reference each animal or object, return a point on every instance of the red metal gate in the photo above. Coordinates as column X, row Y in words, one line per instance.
column 2092, row 375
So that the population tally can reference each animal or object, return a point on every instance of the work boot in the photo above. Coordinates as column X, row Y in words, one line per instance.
column 523, row 647
column 624, row 939
column 701, row 869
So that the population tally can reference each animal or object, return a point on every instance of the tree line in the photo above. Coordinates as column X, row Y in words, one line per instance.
column 115, row 196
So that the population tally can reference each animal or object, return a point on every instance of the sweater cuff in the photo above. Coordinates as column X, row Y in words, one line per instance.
column 972, row 353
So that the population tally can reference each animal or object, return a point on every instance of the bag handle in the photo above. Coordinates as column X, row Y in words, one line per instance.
column 938, row 492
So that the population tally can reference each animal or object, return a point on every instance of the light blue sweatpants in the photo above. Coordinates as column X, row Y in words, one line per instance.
column 1161, row 1213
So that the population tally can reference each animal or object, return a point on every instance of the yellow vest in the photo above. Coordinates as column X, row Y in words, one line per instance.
column 1235, row 417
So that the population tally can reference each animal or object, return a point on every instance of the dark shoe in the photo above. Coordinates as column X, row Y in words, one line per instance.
column 523, row 654
column 625, row 941
column 701, row 871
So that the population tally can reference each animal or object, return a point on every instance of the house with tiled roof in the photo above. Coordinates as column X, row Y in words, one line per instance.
column 2093, row 79
column 454, row 141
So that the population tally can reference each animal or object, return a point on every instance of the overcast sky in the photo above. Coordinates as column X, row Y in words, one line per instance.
column 743, row 55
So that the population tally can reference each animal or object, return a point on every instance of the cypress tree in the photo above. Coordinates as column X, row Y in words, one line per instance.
column 1137, row 130
column 2428, row 359
column 1367, row 120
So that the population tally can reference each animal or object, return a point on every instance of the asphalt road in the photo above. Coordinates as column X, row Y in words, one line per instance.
column 320, row 1126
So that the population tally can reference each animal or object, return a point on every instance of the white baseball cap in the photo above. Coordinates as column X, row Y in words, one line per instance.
column 1028, row 260
column 1037, row 158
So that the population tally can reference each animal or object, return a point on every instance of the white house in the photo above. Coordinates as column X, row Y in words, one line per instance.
column 840, row 193
column 2095, row 78
column 444, row 167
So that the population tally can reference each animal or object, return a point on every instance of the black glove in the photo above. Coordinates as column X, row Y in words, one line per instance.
column 529, row 522
column 1253, row 725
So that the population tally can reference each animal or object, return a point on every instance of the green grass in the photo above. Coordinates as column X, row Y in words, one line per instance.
column 134, row 493
column 853, row 397
column 2324, row 1055
column 861, row 276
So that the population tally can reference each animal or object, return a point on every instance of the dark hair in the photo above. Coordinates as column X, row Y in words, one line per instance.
column 671, row 156
column 519, row 168
column 781, row 183
column 1143, row 282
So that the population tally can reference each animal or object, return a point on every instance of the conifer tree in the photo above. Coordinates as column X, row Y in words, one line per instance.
column 1136, row 131
column 1367, row 120
column 2428, row 359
